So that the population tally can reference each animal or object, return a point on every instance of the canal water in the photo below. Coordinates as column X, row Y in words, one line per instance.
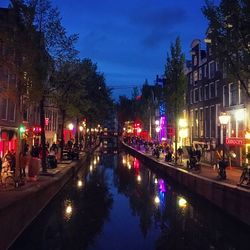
column 117, row 203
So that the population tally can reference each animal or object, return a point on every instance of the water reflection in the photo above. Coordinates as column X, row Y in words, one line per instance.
column 180, row 220
column 115, row 202
column 75, row 217
column 68, row 209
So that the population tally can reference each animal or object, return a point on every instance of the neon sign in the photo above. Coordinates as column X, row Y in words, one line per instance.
column 235, row 141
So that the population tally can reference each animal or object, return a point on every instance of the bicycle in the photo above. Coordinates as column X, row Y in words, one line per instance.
column 245, row 176
column 7, row 180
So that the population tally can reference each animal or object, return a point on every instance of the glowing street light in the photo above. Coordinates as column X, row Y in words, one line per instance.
column 71, row 126
column 157, row 199
column 79, row 183
column 139, row 178
column 224, row 119
column 182, row 202
column 157, row 130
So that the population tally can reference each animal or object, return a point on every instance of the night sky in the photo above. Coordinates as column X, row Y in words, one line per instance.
column 129, row 39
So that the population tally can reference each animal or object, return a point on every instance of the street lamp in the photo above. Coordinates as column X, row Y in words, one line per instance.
column 71, row 126
column 157, row 130
column 224, row 119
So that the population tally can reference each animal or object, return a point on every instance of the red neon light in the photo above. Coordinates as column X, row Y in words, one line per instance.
column 235, row 141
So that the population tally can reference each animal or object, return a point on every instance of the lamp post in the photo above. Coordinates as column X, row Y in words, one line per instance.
column 224, row 119
column 71, row 127
column 157, row 130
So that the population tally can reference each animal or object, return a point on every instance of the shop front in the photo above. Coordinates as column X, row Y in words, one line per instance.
column 8, row 140
column 237, row 149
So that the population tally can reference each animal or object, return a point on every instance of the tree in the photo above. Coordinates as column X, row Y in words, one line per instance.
column 41, row 45
column 175, row 86
column 124, row 108
column 228, row 36
column 147, row 104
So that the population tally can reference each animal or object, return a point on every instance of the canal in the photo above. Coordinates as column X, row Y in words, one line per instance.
column 117, row 203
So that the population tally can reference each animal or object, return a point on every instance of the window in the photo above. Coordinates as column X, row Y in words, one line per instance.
column 225, row 96
column 213, row 121
column 216, row 87
column 211, row 90
column 200, row 93
column 201, row 123
column 4, row 107
column 200, row 73
column 48, row 114
column 205, row 70
column 196, row 95
column 216, row 66
column 54, row 120
column 191, row 96
column 242, row 95
column 192, row 121
column 195, row 60
column 196, row 123
column 233, row 93
column 207, row 122
column 233, row 128
column 12, row 110
column 25, row 115
column 206, row 92
column 195, row 77
column 211, row 69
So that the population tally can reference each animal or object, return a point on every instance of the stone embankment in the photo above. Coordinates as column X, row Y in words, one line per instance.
column 19, row 207
column 233, row 199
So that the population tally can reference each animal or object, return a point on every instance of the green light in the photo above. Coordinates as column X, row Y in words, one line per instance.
column 22, row 129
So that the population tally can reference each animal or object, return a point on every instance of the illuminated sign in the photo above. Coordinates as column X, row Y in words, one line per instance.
column 235, row 141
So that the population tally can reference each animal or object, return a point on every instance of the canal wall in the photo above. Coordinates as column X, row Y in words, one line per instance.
column 18, row 208
column 232, row 199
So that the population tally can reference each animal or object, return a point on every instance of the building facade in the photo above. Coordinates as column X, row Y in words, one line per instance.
column 210, row 93
column 15, row 110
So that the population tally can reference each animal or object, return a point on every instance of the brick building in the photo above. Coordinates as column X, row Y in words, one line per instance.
column 209, row 93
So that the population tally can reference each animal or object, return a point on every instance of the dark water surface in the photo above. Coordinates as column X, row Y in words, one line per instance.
column 116, row 203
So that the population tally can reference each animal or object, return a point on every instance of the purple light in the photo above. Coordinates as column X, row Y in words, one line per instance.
column 163, row 127
column 162, row 186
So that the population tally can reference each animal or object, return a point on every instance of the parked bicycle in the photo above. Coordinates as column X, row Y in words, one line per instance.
column 245, row 176
column 7, row 180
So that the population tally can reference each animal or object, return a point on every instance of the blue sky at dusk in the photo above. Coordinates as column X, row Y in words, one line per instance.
column 129, row 39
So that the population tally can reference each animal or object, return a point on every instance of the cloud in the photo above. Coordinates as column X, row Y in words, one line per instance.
column 156, row 37
column 159, row 18
column 157, row 24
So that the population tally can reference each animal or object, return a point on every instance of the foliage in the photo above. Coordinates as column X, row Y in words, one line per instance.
column 175, row 86
column 229, row 37
column 124, row 110
column 175, row 80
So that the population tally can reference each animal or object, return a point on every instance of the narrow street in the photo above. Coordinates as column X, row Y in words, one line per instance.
column 116, row 202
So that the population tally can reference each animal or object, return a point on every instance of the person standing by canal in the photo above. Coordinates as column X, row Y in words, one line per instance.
column 13, row 161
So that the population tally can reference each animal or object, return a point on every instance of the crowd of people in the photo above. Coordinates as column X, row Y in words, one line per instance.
column 155, row 147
